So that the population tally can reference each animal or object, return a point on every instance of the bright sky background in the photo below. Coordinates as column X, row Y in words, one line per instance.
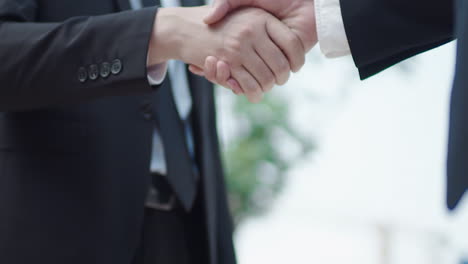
column 380, row 166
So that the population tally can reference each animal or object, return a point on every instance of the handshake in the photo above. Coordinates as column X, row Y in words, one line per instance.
column 247, row 46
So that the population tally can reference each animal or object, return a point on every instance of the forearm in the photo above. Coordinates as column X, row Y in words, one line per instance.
column 164, row 40
column 177, row 31
column 41, row 62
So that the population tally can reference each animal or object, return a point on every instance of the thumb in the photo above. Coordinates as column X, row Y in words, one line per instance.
column 218, row 11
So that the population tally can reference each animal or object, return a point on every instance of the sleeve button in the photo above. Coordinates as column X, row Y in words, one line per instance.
column 82, row 75
column 116, row 67
column 93, row 72
column 105, row 69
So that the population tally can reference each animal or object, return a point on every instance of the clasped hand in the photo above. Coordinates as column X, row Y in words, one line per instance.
column 247, row 49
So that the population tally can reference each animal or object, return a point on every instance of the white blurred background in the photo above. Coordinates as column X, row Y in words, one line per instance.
column 373, row 192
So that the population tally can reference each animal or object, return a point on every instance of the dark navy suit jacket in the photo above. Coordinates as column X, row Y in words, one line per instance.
column 382, row 33
column 76, row 130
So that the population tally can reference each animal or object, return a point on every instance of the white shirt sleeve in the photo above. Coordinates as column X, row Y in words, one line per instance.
column 330, row 29
column 157, row 73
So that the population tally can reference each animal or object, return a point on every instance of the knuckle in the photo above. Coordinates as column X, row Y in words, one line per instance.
column 246, row 32
column 268, row 82
column 299, row 63
column 283, row 67
column 268, row 87
column 293, row 40
column 249, row 88
column 253, row 88
column 234, row 47
column 283, row 78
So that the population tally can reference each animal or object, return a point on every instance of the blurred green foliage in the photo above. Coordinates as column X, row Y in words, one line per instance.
column 255, row 163
column 255, row 159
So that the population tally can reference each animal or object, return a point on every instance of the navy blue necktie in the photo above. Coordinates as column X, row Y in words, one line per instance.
column 179, row 163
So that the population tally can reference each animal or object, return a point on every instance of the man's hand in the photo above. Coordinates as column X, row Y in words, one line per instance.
column 256, row 45
column 298, row 15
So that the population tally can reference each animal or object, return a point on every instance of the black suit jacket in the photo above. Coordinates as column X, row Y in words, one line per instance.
column 75, row 157
column 382, row 33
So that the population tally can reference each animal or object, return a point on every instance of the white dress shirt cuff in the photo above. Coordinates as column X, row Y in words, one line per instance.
column 156, row 73
column 330, row 29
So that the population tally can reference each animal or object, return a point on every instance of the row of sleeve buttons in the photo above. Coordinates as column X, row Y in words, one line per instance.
column 104, row 70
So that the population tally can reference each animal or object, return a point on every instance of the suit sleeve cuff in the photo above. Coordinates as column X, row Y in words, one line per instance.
column 330, row 29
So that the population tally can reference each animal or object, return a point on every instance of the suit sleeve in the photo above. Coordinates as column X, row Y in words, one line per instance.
column 49, row 64
column 382, row 33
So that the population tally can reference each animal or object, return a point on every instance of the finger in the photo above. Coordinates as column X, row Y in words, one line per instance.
column 288, row 42
column 260, row 71
column 210, row 68
column 218, row 11
column 235, row 86
column 248, row 84
column 276, row 60
column 223, row 72
column 223, row 77
column 196, row 70
column 211, row 74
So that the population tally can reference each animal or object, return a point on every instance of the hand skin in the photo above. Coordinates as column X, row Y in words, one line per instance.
column 244, row 39
column 298, row 15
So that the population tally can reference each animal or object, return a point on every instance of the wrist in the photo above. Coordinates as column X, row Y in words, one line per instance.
column 180, row 34
column 165, row 40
